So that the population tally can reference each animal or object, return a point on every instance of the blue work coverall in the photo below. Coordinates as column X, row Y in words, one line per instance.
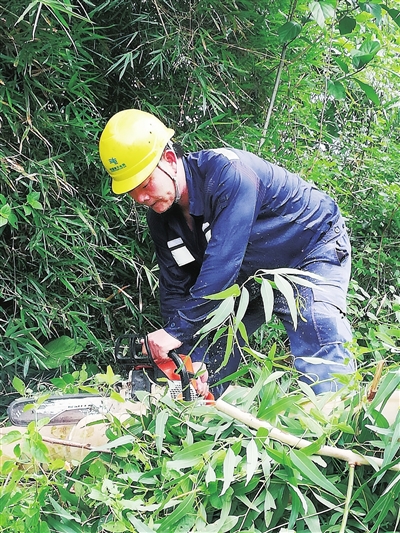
column 248, row 215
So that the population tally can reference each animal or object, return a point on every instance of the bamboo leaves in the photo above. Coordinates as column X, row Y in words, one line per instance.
column 283, row 281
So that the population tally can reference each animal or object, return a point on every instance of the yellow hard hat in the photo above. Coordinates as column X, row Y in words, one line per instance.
column 131, row 146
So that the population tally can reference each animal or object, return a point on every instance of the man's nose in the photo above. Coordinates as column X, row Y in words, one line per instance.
column 142, row 197
column 139, row 196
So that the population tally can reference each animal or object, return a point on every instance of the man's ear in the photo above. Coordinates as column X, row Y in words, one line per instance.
column 169, row 156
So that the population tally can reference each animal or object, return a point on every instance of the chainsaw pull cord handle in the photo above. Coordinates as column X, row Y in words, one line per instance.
column 180, row 366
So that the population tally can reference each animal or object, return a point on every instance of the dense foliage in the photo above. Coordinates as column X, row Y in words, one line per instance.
column 310, row 85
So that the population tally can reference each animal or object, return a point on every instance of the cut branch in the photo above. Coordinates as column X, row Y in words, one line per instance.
column 296, row 442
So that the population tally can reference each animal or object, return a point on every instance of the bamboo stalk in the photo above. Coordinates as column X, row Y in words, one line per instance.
column 296, row 442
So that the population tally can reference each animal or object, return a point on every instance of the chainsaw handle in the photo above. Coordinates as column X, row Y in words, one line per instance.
column 184, row 374
column 185, row 378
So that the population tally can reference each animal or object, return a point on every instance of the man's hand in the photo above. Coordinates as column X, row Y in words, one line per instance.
column 202, row 385
column 160, row 343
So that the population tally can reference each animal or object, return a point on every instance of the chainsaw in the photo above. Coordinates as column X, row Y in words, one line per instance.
column 174, row 377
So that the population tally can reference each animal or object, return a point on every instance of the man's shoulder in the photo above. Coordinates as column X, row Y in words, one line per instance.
column 221, row 155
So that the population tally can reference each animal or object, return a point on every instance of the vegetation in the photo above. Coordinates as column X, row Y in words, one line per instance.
column 310, row 85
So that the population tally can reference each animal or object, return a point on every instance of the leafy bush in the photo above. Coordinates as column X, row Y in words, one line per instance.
column 188, row 468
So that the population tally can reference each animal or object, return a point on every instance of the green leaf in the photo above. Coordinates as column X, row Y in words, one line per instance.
column 228, row 470
column 97, row 469
column 394, row 13
column 224, row 310
column 39, row 451
column 186, row 507
column 120, row 441
column 19, row 385
column 114, row 527
column 392, row 448
column 139, row 526
column 347, row 25
column 321, row 11
column 32, row 200
column 270, row 412
column 287, row 290
column 388, row 385
column 198, row 449
column 311, row 472
column 374, row 9
column 5, row 212
column 315, row 446
column 365, row 53
column 10, row 437
column 64, row 513
column 336, row 89
column 311, row 517
column 43, row 527
column 161, row 420
column 109, row 378
column 251, row 460
column 243, row 304
column 369, row 91
column 234, row 290
column 267, row 295
column 210, row 475
column 289, row 31
column 61, row 349
column 62, row 527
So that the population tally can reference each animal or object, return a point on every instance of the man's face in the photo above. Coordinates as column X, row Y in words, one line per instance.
column 157, row 191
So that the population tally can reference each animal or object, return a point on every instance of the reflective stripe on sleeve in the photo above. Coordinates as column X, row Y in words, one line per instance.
column 207, row 231
column 180, row 252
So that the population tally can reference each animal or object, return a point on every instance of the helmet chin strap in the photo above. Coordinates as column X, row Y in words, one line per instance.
column 173, row 178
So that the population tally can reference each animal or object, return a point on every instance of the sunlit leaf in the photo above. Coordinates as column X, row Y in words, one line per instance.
column 228, row 469
column 210, row 475
column 251, row 459
column 321, row 11
column 234, row 290
column 373, row 8
column 287, row 291
column 267, row 294
column 219, row 316
column 161, row 420
column 243, row 304
column 19, row 385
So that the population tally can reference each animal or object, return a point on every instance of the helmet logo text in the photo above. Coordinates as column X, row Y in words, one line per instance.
column 114, row 161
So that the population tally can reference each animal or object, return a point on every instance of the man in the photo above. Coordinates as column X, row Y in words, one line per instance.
column 216, row 218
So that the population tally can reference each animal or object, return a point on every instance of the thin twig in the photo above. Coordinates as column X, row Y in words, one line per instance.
column 273, row 96
column 68, row 443
column 277, row 82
